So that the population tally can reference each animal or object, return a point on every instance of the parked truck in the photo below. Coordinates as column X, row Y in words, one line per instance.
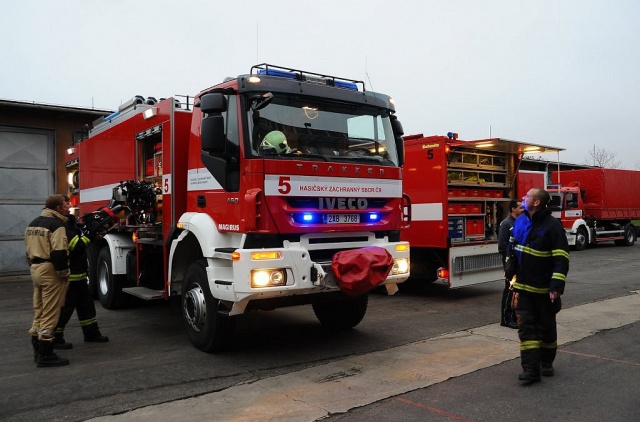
column 460, row 192
column 248, row 201
column 596, row 205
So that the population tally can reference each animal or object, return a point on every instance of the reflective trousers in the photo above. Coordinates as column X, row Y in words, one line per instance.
column 536, row 329
column 79, row 298
column 49, row 290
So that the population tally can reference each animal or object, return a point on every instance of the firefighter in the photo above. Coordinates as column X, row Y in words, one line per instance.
column 78, row 297
column 541, row 265
column 507, row 315
column 46, row 249
column 275, row 142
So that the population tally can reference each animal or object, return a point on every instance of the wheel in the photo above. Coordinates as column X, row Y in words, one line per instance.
column 341, row 314
column 629, row 236
column 109, row 286
column 208, row 330
column 581, row 239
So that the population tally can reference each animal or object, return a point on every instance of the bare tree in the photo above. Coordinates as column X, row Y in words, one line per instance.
column 600, row 157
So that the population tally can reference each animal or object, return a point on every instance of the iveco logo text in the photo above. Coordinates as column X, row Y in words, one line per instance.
column 344, row 169
column 343, row 203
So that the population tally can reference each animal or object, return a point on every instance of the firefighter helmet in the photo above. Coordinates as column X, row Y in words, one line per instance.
column 276, row 140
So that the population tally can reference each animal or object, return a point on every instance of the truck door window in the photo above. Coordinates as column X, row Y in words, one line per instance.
column 572, row 201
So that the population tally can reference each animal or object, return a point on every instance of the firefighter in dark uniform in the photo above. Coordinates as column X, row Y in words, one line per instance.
column 78, row 297
column 507, row 315
column 539, row 246
column 46, row 248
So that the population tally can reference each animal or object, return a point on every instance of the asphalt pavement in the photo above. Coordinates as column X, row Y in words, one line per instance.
column 470, row 375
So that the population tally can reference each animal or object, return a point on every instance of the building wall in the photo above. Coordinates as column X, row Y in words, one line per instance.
column 34, row 139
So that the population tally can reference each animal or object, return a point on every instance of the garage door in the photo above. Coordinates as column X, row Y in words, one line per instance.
column 27, row 171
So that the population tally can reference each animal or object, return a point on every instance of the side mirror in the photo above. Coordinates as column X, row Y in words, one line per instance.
column 212, row 134
column 400, row 149
column 213, row 103
column 398, row 131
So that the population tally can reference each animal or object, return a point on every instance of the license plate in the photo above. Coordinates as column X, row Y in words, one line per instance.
column 342, row 218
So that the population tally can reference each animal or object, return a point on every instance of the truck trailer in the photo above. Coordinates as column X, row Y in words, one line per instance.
column 596, row 205
column 460, row 192
column 280, row 187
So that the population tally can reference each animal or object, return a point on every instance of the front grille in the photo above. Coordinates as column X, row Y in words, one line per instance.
column 464, row 264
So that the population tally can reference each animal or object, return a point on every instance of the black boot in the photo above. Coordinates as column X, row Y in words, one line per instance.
column 34, row 343
column 46, row 356
column 96, row 337
column 60, row 343
column 529, row 375
column 547, row 369
column 92, row 334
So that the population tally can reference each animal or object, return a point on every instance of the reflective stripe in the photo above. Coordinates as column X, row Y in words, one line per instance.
column 534, row 252
column 78, row 277
column 530, row 345
column 89, row 321
column 527, row 288
column 74, row 241
column 559, row 276
column 560, row 252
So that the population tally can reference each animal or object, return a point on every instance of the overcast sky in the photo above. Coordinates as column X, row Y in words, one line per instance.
column 560, row 73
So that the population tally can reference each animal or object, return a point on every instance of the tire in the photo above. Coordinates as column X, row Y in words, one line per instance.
column 208, row 330
column 629, row 236
column 108, row 285
column 581, row 239
column 341, row 314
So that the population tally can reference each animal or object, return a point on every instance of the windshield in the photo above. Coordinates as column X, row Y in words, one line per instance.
column 294, row 127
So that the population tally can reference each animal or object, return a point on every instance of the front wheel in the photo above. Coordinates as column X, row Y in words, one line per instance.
column 581, row 239
column 341, row 314
column 109, row 286
column 208, row 330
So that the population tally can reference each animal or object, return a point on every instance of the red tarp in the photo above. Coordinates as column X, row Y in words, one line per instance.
column 360, row 270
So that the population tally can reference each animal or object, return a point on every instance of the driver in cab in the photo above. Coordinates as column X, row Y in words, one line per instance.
column 275, row 143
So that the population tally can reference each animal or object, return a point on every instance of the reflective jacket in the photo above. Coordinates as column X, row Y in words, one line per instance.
column 542, row 253
column 78, row 244
column 45, row 240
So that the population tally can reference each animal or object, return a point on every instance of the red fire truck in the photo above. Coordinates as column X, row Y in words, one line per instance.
column 460, row 192
column 597, row 205
column 246, row 201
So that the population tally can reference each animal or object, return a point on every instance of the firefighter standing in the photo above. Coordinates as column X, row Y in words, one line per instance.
column 542, row 262
column 46, row 249
column 78, row 297
column 507, row 315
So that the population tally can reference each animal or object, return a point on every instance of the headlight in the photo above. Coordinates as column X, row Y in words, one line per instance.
column 268, row 277
column 400, row 266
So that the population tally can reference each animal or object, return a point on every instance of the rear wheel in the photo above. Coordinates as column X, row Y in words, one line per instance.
column 581, row 239
column 109, row 286
column 341, row 314
column 207, row 329
column 629, row 236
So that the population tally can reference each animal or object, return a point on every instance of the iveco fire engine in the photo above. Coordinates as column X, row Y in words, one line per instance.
column 250, row 200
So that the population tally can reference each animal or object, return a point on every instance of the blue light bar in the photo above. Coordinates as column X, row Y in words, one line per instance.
column 278, row 73
column 345, row 84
